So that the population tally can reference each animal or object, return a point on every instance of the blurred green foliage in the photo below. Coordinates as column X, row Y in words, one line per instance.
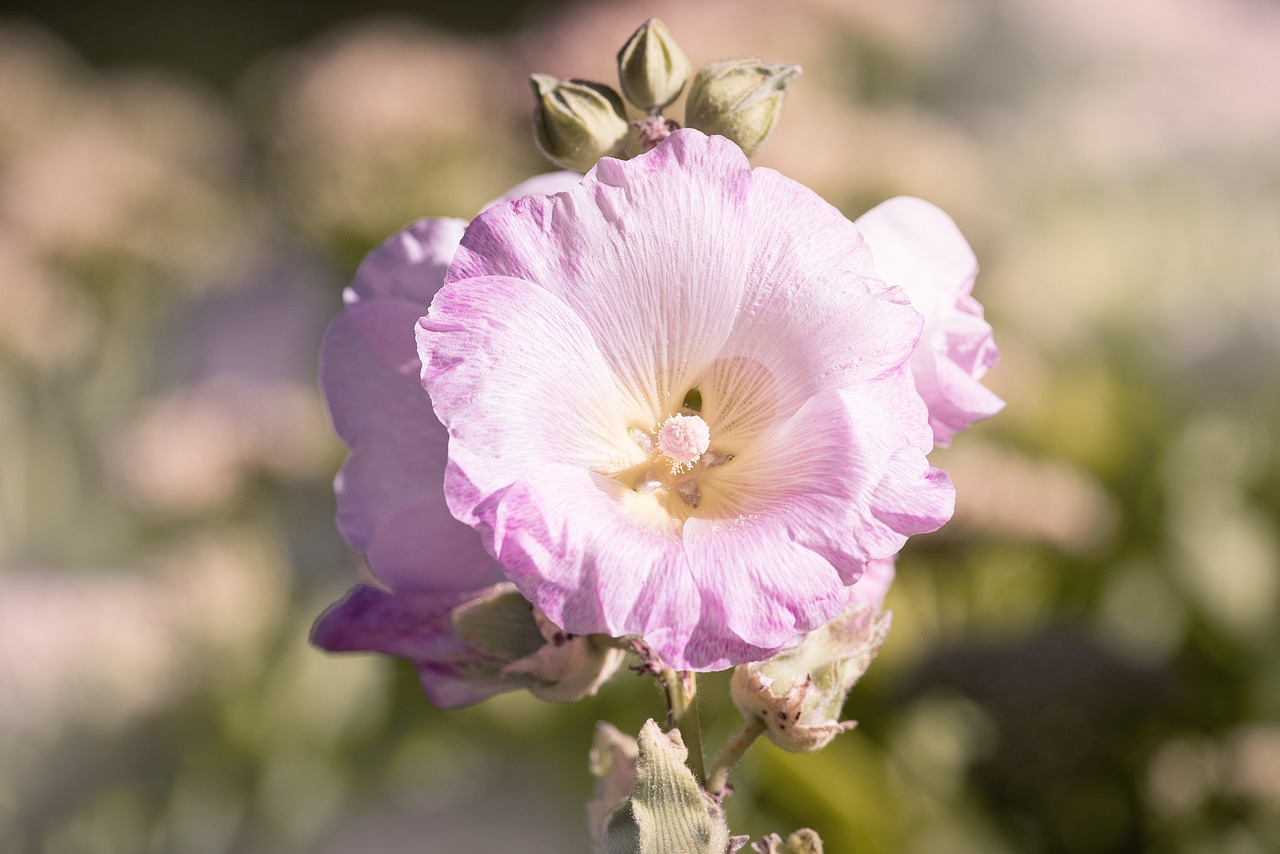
column 1086, row 660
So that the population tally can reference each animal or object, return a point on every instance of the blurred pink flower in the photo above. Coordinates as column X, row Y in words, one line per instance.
column 390, row 499
column 390, row 492
column 573, row 329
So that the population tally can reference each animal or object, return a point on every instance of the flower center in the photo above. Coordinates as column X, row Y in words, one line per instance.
column 675, row 479
column 683, row 439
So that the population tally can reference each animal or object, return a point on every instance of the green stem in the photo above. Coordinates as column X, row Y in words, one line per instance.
column 682, row 701
column 719, row 776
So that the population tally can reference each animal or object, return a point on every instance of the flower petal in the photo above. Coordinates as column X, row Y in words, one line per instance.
column 918, row 248
column 390, row 497
column 369, row 369
column 518, row 379
column 410, row 625
column 836, row 489
column 815, row 300
column 415, row 627
column 873, row 586
column 565, row 540
column 652, row 254
column 411, row 264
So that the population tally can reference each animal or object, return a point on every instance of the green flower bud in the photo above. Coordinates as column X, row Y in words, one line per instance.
column 799, row 692
column 576, row 122
column 803, row 841
column 652, row 68
column 740, row 99
column 667, row 811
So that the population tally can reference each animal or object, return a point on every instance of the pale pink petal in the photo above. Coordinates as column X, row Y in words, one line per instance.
column 410, row 264
column 818, row 318
column 575, row 552
column 390, row 496
column 759, row 587
column 369, row 369
column 917, row 247
column 726, row 590
column 837, row 488
column 816, row 308
column 875, row 582
column 519, row 381
column 652, row 254
column 955, row 398
column 838, row 472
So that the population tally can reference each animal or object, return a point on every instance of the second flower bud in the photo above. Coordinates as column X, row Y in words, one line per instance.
column 576, row 122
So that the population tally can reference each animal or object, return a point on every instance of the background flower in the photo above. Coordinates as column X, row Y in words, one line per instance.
column 391, row 502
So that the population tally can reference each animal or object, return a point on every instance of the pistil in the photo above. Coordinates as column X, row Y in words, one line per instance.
column 683, row 439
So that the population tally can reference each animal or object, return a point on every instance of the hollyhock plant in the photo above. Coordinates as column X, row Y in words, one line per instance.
column 918, row 248
column 680, row 403
column 676, row 407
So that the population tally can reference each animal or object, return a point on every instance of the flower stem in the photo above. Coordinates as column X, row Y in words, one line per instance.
column 682, row 703
column 719, row 776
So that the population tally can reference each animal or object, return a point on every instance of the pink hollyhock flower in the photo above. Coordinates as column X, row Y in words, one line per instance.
column 918, row 248
column 390, row 493
column 680, row 403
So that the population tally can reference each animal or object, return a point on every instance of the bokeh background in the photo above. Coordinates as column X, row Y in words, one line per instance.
column 1086, row 660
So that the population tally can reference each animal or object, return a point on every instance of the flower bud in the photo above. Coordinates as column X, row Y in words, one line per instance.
column 799, row 692
column 576, row 122
column 652, row 68
column 740, row 99
column 666, row 810
column 469, row 646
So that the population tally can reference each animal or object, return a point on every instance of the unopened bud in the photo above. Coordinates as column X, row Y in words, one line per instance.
column 576, row 122
column 652, row 68
column 798, row 694
column 667, row 810
column 740, row 99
